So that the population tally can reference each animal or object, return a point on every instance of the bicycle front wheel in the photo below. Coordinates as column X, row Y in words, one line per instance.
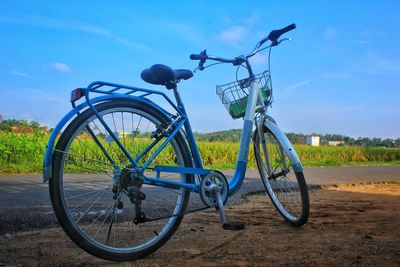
column 97, row 203
column 286, row 188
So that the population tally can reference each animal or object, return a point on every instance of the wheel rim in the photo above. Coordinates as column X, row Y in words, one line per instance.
column 88, row 200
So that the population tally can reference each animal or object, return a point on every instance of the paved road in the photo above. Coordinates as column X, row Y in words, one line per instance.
column 24, row 200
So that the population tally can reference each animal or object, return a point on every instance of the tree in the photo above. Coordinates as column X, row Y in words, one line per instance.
column 24, row 125
column 35, row 125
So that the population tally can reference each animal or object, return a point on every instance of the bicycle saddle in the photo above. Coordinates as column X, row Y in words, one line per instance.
column 163, row 75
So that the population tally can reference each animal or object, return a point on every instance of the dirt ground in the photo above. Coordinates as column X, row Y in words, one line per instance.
column 348, row 225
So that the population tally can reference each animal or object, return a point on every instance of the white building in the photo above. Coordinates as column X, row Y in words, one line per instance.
column 312, row 140
column 335, row 143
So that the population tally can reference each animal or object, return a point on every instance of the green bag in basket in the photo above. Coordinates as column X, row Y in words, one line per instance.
column 238, row 107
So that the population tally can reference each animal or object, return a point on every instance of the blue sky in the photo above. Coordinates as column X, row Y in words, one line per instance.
column 340, row 74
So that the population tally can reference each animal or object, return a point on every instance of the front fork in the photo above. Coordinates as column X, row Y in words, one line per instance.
column 261, row 128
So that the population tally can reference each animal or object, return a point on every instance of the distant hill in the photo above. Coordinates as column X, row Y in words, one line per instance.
column 233, row 135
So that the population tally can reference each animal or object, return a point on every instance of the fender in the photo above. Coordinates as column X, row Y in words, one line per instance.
column 286, row 145
column 48, row 158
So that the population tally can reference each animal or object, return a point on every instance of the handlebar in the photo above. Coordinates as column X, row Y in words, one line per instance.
column 203, row 57
column 273, row 36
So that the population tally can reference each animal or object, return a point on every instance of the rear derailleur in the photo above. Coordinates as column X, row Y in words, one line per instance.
column 131, row 182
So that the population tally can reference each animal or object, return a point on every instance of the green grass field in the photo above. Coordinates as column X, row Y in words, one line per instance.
column 23, row 153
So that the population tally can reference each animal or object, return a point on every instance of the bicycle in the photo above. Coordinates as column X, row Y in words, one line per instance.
column 122, row 170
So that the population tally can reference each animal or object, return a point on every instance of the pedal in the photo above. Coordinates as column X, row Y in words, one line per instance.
column 233, row 226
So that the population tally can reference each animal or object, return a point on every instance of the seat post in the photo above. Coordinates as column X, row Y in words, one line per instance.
column 178, row 99
column 189, row 133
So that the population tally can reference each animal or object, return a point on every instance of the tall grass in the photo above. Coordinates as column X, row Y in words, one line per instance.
column 346, row 155
column 222, row 155
column 23, row 153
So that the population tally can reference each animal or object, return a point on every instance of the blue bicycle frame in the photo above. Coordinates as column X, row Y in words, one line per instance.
column 179, row 122
column 241, row 165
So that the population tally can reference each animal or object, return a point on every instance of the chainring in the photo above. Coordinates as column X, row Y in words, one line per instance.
column 217, row 178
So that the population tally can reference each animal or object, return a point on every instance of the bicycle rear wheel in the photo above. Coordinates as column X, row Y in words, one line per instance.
column 286, row 188
column 96, row 204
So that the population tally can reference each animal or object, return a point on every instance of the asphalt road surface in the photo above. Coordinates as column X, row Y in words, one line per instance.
column 25, row 203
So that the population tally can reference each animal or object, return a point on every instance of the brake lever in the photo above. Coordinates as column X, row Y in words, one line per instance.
column 201, row 64
column 283, row 40
column 200, row 67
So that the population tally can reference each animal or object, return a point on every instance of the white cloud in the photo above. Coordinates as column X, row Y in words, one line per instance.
column 336, row 75
column 374, row 64
column 107, row 34
column 383, row 63
column 233, row 35
column 296, row 85
column 53, row 23
column 329, row 34
column 237, row 33
column 182, row 30
column 259, row 60
column 253, row 19
column 60, row 67
column 21, row 74
column 54, row 100
column 330, row 43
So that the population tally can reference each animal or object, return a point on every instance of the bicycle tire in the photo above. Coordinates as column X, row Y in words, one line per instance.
column 287, row 189
column 79, row 229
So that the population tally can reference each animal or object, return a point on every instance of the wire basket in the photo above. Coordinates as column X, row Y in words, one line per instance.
column 234, row 95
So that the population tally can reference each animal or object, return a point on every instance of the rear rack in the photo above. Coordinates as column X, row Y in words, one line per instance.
column 108, row 88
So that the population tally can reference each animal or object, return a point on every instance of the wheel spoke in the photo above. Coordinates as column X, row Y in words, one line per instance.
column 112, row 207
column 86, row 159
column 99, row 193
column 281, row 183
column 87, row 210
column 98, row 200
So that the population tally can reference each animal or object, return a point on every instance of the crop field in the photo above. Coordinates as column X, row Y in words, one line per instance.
column 23, row 153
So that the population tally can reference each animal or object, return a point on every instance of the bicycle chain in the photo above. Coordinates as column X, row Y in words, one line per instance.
column 180, row 214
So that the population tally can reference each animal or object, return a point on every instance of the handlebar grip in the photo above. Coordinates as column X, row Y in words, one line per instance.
column 202, row 56
column 275, row 34
column 196, row 57
column 288, row 28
